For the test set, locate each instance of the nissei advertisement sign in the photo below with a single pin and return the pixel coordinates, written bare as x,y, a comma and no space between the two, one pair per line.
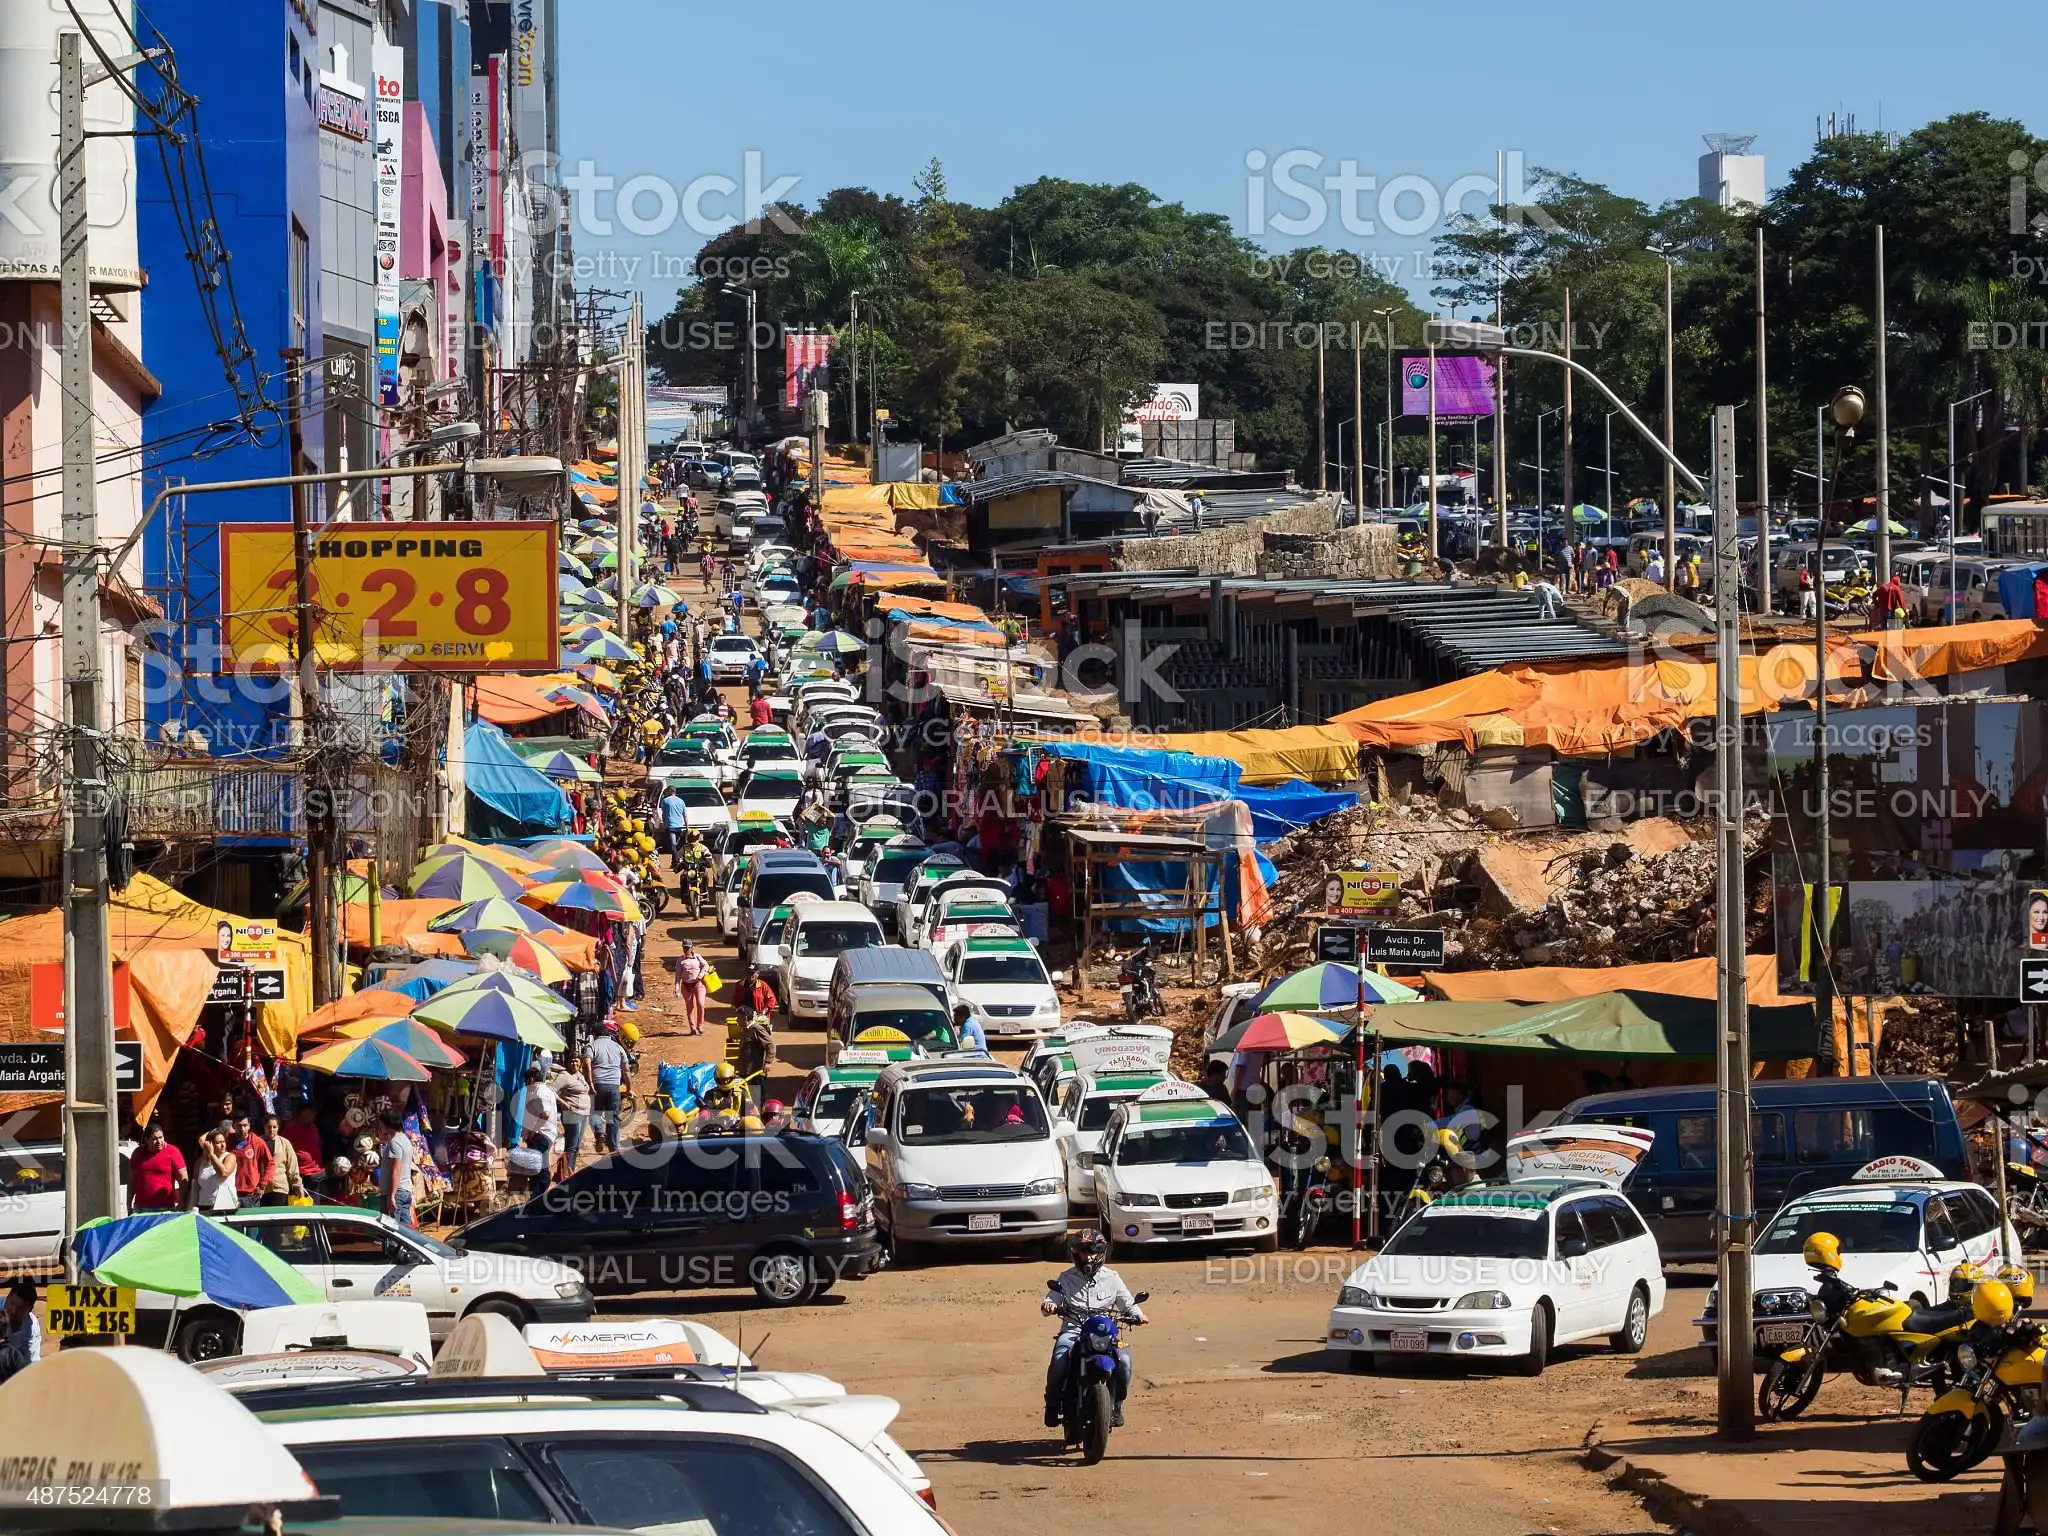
395,597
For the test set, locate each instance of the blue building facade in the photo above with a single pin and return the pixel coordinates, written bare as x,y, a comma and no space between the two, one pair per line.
254,67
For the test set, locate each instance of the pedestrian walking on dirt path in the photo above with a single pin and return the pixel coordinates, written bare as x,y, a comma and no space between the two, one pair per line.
691,971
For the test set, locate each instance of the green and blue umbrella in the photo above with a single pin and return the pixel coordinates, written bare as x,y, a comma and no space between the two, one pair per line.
494,912
567,853
604,648
463,877
564,765
523,950
1319,987
377,1059
573,566
499,1006
654,595
184,1253
406,1034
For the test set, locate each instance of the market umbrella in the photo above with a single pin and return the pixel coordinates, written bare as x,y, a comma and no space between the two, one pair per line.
185,1253
589,703
837,643
528,994
1285,1032
1869,525
404,1034
417,983
378,1002
493,1014
653,595
567,853
493,912
606,562
568,586
463,877
1318,987
1583,513
504,858
603,648
520,949
573,566
564,765
580,895
365,1058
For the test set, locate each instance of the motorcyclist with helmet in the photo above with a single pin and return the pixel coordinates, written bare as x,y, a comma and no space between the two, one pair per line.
693,859
1087,1286
725,1096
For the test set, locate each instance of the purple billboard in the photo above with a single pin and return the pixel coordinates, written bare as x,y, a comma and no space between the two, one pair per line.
1464,385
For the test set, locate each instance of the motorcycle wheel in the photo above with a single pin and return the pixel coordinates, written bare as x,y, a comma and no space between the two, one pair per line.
1095,1422
1302,1223
1946,1445
1788,1390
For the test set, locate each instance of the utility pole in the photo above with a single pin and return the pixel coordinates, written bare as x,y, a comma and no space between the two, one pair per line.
1670,431
1735,1419
1884,451
1434,547
1500,375
1763,446
1357,422
632,443
316,789
853,378
92,1176
1570,499
1322,454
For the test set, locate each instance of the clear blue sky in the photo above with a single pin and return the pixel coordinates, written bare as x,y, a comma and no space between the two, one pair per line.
1176,96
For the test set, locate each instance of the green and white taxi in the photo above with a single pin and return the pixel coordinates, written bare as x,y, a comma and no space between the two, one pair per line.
1175,1166
829,1094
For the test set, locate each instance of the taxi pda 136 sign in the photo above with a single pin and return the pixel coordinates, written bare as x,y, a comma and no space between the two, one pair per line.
395,597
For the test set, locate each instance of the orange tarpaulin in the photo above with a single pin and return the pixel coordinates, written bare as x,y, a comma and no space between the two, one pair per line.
1558,983
947,634
357,1005
166,939
405,922
889,581
930,607
1900,655
517,700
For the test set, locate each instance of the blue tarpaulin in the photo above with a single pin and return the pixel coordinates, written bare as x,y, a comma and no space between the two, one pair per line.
2016,591
517,800
1146,780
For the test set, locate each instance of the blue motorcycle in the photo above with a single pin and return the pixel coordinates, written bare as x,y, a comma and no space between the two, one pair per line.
1088,1398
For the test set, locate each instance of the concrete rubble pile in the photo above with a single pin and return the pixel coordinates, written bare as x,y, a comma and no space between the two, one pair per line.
1510,898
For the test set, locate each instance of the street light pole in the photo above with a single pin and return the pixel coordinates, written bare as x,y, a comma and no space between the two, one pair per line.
1387,465
1433,546
1884,445
1955,522
1763,442
1670,421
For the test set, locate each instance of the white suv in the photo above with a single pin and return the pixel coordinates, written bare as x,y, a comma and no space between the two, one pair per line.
819,933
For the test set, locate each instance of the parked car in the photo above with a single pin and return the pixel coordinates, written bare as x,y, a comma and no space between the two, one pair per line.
1176,1166
1900,1225
882,883
772,790
821,932
1082,1115
959,1153
1001,981
935,879
356,1255
729,656
1807,1134
32,1202
680,756
775,877
884,967
1511,1270
704,804
785,1215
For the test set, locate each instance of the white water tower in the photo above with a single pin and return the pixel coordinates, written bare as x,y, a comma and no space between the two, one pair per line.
1730,176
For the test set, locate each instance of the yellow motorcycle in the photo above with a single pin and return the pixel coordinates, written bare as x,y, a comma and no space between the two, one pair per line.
2000,1364
1877,1337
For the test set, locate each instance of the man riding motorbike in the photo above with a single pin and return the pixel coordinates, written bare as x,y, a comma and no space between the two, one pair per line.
693,863
725,1096
1086,1287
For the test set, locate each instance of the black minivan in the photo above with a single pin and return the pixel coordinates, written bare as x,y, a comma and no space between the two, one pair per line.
788,1215
1808,1133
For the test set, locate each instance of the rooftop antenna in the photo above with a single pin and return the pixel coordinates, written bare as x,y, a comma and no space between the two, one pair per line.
1729,143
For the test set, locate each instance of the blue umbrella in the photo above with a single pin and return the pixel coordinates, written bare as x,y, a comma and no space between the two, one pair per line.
1316,988
184,1253
422,981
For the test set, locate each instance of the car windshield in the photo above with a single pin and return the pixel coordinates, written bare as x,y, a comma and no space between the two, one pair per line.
768,752
698,793
1215,1142
929,1026
1876,1226
771,932
1003,970
836,938
776,887
1095,1112
835,1101
759,788
681,754
894,868
1472,1234
963,1116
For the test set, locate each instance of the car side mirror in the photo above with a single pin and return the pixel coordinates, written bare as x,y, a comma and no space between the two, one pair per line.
1574,1248
1063,1127
1142,1297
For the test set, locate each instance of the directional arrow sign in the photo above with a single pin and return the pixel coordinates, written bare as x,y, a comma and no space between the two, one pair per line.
2034,979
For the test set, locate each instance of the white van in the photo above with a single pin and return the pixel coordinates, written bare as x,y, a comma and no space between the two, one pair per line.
819,933
961,1152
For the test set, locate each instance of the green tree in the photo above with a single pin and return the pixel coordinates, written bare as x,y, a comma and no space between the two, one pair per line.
1068,354
940,328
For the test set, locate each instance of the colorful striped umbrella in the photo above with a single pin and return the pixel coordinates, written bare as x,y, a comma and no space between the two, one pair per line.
573,566
603,648
366,1058
184,1253
470,1008
1319,987
589,703
497,853
520,949
463,877
579,894
404,1034
493,912
567,853
564,765
654,595
1285,1032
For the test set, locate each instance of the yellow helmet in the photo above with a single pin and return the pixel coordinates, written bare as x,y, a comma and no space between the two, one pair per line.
629,1032
2018,1279
674,1116
1991,1303
723,1072
644,843
1964,1278
752,1123
1823,1250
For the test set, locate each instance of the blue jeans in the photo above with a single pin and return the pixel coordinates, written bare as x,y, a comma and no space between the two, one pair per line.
572,1139
1056,1370
604,1110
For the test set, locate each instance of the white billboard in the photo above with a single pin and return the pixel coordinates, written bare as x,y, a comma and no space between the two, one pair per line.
1169,402
29,234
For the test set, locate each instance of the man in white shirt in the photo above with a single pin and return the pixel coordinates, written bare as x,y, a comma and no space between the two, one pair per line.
540,1123
1086,1287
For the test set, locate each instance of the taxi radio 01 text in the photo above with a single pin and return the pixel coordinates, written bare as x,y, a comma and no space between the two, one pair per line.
483,600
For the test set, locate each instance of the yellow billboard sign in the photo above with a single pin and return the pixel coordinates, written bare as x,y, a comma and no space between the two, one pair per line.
1359,892
394,597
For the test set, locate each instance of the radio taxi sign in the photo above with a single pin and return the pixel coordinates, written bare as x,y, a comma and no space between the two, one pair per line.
75,1310
395,597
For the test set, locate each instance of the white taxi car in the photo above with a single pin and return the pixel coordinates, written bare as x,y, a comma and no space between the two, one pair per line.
1106,1068
1001,980
1900,1222
1175,1166
356,1255
1509,1270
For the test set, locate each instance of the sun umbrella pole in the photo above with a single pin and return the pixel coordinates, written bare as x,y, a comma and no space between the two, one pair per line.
171,1327
375,894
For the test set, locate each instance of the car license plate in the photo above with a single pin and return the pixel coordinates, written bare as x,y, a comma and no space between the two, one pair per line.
1780,1333
1409,1343
985,1221
1193,1223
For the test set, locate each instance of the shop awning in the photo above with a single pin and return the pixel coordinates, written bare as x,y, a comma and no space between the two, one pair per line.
499,777
1625,1025
1699,977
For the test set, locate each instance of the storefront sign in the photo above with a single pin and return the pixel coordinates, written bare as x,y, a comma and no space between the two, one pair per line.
387,61
396,597
346,115
46,997
1355,892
